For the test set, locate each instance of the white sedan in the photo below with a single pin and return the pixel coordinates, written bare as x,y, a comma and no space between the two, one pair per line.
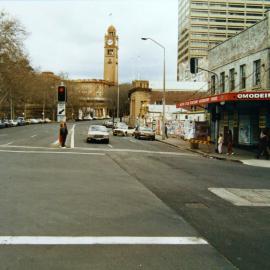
98,133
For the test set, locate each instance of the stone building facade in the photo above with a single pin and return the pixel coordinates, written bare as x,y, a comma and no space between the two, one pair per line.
240,99
91,91
91,97
139,95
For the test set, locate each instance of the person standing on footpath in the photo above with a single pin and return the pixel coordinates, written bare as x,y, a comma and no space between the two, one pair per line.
63,132
220,143
230,143
166,131
263,144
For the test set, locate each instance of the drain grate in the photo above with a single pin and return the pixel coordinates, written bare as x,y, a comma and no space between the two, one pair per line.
195,205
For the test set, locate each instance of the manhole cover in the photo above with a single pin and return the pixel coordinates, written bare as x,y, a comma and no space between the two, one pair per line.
195,205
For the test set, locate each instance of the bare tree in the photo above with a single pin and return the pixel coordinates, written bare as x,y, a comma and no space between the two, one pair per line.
111,95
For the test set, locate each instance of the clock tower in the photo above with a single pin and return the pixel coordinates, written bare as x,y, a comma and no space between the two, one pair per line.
111,56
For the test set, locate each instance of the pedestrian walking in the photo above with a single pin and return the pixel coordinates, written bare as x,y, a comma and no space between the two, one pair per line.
263,144
230,143
166,131
63,132
220,143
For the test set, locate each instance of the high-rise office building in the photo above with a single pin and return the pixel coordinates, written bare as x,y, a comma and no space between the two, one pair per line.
205,23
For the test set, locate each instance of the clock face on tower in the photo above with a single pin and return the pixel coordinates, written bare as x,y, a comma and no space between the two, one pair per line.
110,42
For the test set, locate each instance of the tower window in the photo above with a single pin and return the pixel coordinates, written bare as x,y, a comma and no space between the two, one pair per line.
110,52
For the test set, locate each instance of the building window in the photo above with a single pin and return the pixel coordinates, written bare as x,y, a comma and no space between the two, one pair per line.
213,84
257,72
110,52
232,79
222,82
242,76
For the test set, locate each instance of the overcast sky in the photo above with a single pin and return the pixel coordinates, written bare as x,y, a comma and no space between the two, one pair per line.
68,35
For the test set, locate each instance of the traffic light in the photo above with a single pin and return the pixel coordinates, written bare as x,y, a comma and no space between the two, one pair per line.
193,65
62,94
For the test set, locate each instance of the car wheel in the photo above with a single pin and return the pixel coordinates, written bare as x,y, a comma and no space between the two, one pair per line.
107,141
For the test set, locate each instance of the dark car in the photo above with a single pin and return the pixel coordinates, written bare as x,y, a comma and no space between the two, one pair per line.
2,124
20,121
144,133
6,122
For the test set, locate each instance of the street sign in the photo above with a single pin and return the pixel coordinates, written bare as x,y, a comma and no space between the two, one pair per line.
61,109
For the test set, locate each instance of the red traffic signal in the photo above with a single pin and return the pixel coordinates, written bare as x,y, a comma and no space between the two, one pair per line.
62,94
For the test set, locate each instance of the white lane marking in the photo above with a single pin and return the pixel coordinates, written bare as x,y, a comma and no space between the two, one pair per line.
132,141
99,240
3,134
9,143
33,136
72,145
136,151
257,163
110,145
104,150
244,197
51,152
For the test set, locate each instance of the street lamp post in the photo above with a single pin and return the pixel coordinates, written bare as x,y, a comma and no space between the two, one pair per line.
164,85
118,103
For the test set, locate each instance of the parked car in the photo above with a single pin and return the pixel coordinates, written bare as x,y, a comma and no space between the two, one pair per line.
87,117
7,123
108,124
27,121
13,123
2,124
34,121
41,121
144,133
120,129
20,121
98,133
47,120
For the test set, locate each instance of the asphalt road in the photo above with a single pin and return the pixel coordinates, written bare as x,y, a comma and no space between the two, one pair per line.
128,188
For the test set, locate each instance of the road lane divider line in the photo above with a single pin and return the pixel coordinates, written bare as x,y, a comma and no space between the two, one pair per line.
72,142
117,150
33,136
9,143
110,145
51,152
99,240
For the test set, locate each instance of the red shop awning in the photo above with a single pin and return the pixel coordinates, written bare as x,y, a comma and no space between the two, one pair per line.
238,96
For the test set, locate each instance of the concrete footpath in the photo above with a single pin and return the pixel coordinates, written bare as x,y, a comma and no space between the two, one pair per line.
240,155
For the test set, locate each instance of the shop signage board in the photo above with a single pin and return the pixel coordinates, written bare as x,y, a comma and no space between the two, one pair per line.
236,96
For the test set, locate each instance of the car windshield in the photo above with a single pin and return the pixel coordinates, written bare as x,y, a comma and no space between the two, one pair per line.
122,125
145,129
98,128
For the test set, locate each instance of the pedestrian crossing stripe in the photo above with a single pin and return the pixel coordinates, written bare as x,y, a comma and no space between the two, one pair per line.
100,240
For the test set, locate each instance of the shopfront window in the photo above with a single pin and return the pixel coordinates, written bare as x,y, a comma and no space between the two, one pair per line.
257,73
232,79
242,76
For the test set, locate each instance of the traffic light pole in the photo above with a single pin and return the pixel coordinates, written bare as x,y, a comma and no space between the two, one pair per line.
61,106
